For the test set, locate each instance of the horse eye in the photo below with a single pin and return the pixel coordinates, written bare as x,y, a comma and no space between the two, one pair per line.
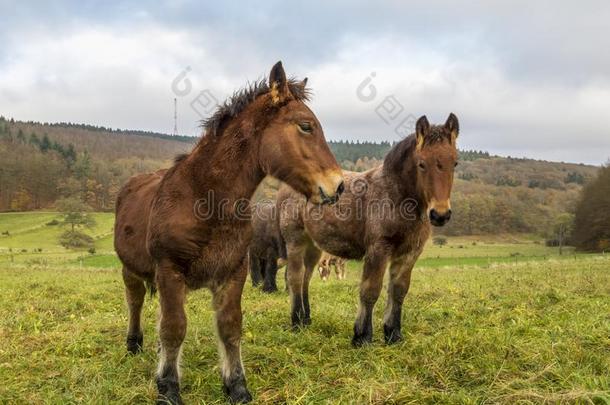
455,164
422,166
305,127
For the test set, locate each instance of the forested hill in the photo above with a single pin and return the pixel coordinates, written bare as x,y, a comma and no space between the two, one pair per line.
40,163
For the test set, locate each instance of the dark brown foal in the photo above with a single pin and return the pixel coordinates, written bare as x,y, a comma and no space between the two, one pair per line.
384,217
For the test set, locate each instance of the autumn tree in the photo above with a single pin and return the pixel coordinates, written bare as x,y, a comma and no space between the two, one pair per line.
76,215
592,219
562,228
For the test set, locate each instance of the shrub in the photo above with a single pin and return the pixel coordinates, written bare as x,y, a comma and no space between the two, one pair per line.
75,239
440,241
552,242
53,222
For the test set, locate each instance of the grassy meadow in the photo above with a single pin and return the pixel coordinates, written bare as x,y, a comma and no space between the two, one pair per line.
505,320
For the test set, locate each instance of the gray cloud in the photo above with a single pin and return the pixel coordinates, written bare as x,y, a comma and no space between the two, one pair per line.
525,79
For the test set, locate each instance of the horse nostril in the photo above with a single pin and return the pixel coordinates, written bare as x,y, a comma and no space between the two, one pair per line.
340,189
438,219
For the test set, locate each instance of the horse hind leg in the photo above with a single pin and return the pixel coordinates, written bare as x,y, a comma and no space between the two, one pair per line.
342,269
270,283
295,274
255,270
311,259
135,291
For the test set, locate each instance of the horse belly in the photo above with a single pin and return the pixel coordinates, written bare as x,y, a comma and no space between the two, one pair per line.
341,248
336,240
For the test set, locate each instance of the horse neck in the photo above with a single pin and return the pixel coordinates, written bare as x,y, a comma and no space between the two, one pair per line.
226,164
402,182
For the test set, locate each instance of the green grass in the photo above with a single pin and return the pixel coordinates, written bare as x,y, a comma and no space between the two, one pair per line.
509,333
494,320
30,232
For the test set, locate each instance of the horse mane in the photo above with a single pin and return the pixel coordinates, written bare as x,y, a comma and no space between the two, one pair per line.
395,159
242,98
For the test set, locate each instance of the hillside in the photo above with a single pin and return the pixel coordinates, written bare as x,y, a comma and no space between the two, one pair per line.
43,162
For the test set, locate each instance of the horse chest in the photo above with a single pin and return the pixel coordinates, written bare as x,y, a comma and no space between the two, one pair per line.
220,256
412,241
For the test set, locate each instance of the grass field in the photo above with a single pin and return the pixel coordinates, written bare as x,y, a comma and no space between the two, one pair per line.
478,328
29,232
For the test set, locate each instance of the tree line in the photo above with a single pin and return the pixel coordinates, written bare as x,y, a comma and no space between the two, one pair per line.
42,165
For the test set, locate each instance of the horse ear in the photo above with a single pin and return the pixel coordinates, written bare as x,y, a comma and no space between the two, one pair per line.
453,126
278,83
422,126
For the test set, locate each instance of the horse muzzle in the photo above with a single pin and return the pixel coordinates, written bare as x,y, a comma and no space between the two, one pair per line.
439,219
329,189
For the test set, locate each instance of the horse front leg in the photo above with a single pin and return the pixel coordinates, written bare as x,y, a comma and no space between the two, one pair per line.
370,288
172,329
398,287
227,304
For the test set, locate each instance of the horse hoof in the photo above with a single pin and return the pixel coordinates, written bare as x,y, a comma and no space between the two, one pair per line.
392,335
361,340
300,324
134,343
169,393
170,400
238,394
269,290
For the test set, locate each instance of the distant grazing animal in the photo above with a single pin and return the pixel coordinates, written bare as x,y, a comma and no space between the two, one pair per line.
188,227
327,261
267,246
383,216
6,233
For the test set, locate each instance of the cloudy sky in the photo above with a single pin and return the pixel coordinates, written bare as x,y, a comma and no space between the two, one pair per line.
525,78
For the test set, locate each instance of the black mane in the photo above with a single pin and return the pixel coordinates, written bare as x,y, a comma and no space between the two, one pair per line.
241,98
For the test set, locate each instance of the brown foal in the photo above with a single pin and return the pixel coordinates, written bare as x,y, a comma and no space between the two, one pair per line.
189,227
